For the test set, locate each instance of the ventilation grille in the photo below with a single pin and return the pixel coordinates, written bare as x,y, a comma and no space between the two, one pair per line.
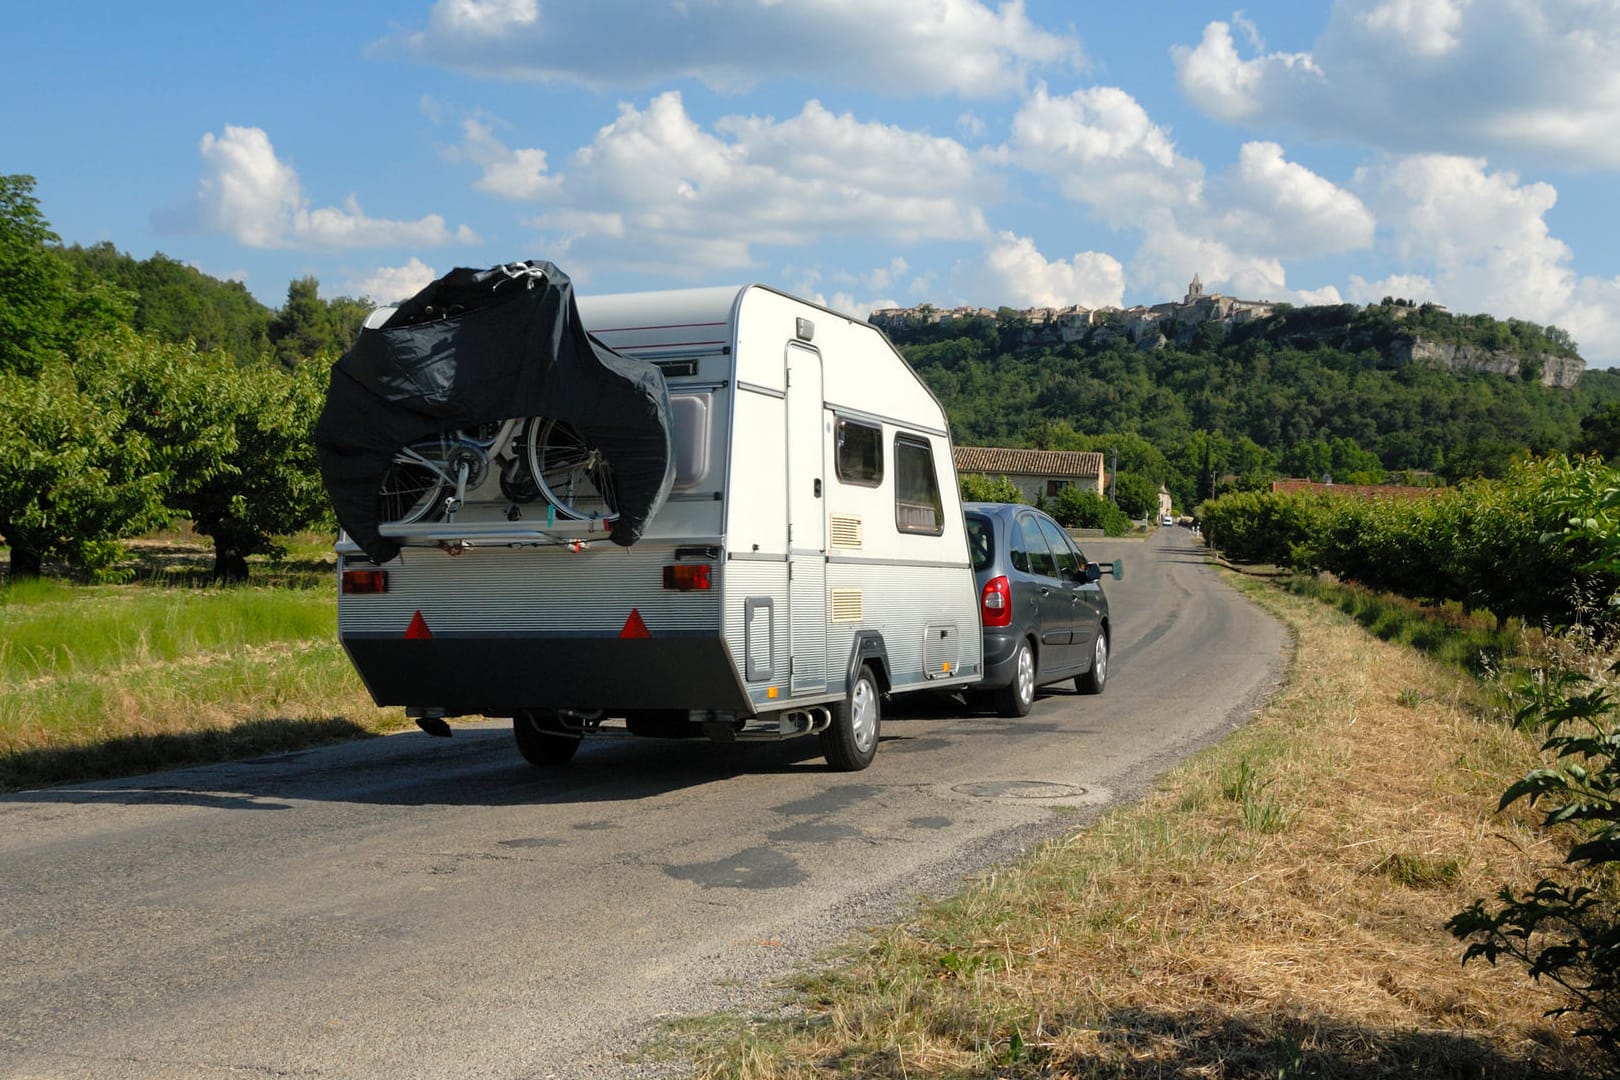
844,531
847,605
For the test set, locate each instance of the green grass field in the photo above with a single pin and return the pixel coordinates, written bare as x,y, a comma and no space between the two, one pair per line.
106,680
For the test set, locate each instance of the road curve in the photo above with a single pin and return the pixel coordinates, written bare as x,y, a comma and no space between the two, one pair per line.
417,907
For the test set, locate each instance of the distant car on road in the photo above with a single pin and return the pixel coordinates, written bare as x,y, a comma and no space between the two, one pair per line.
1168,519
1041,604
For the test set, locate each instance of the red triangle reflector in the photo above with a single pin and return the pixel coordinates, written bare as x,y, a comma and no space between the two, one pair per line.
634,626
418,628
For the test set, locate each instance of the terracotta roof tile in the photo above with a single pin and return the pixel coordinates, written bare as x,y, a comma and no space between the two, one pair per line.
998,461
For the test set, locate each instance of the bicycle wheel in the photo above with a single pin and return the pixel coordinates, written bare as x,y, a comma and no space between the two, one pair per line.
413,486
573,476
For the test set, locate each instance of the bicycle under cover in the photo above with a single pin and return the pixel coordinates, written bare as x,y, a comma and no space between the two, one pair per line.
477,347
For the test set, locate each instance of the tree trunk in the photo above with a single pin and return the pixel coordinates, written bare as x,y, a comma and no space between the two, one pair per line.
229,566
25,563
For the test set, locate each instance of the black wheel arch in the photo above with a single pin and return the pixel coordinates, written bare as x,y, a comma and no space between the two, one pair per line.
868,648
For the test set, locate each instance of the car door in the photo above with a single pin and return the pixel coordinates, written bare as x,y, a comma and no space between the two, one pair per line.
1053,615
1090,606
1070,575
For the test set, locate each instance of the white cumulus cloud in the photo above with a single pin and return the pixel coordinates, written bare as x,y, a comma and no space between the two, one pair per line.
656,190
250,194
1477,240
1014,273
963,47
391,284
1497,77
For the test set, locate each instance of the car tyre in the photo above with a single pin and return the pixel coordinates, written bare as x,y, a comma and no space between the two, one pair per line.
850,743
1093,681
1016,698
542,740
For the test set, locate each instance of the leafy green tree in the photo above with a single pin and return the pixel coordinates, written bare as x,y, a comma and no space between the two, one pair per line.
74,477
1136,495
235,442
35,284
1600,432
1077,509
178,303
976,487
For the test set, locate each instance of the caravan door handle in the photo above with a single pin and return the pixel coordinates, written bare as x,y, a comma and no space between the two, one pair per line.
818,487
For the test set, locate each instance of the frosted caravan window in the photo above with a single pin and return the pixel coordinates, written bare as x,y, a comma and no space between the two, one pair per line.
917,507
689,430
860,453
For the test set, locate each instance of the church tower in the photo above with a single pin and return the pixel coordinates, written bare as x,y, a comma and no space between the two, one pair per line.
1195,291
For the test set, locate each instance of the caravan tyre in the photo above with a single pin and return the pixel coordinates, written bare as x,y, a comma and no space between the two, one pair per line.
541,738
851,742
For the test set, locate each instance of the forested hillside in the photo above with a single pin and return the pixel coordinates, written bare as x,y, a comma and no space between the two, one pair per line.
1255,407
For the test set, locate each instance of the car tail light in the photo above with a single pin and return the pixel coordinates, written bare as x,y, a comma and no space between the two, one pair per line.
686,576
995,602
365,582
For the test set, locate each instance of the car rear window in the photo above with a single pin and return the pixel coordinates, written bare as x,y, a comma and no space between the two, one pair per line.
981,541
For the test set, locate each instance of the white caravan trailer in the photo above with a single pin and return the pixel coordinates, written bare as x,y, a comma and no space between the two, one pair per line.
810,558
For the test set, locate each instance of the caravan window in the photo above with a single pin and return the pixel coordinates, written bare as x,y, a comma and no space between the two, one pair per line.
860,453
917,507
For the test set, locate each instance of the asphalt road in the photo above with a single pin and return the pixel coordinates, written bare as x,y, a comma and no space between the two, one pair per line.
417,907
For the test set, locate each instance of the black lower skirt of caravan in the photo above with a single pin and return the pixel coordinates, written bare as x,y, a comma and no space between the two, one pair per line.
499,676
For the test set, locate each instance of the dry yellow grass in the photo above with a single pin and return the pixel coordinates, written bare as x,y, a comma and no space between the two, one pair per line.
1276,909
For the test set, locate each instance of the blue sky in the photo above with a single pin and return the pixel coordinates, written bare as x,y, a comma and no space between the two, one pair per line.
863,153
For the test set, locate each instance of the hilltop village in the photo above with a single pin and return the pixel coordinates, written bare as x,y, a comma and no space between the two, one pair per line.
1141,324
1177,322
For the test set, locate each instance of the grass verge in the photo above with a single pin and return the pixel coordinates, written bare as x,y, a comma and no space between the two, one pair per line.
113,680
1275,909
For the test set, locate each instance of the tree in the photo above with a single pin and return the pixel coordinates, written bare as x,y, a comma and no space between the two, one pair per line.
235,444
74,478
1600,433
1077,509
1136,495
34,282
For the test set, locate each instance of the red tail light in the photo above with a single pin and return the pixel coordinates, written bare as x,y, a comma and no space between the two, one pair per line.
995,602
365,581
686,576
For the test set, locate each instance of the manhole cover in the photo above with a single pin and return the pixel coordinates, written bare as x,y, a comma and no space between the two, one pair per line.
1020,789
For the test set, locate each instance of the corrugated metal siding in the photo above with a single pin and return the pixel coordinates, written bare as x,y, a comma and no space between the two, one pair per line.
533,590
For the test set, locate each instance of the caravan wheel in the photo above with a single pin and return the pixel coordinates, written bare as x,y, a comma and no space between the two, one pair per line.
851,742
542,740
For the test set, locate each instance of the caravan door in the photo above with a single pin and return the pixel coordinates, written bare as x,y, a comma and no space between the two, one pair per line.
807,524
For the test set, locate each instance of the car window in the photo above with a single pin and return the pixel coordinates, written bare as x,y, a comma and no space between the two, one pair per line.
1062,550
981,541
1040,556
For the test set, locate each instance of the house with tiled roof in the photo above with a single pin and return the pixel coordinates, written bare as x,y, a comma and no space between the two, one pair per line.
1038,473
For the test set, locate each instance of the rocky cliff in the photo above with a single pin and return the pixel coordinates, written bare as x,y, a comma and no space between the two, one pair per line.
1552,370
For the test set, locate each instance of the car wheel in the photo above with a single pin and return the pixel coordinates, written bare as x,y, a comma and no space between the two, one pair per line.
1016,697
542,740
1093,681
850,743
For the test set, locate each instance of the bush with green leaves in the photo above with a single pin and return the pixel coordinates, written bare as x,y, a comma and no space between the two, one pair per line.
1565,928
977,487
1077,509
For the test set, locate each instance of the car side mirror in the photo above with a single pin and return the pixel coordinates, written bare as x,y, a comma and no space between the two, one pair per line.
1094,571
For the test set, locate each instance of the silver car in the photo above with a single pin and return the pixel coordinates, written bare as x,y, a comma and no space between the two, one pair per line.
1041,604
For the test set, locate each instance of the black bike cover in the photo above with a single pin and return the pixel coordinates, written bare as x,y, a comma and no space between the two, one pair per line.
477,347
